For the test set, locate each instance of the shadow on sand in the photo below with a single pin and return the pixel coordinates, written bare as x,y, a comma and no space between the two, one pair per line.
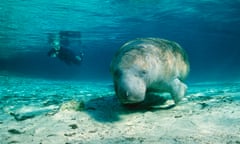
109,109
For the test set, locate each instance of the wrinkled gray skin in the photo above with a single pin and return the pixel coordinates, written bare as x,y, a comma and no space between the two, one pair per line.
149,65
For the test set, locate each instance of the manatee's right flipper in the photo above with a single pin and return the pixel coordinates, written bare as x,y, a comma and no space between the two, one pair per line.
178,90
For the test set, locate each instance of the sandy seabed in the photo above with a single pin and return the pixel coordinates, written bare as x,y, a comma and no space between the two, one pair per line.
66,112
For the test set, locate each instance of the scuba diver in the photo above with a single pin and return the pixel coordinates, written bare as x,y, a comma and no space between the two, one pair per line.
58,49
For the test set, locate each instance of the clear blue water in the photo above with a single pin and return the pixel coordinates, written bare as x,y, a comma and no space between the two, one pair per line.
33,84
209,30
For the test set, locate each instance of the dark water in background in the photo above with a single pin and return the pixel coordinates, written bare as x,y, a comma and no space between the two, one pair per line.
209,30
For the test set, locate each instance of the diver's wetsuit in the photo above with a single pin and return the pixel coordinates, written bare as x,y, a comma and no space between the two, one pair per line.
66,55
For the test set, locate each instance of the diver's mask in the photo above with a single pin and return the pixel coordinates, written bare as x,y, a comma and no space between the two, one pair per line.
55,45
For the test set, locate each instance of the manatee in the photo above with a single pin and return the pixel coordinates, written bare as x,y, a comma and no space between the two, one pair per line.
146,65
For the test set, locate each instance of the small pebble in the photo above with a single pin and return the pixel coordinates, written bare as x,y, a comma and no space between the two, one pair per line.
178,116
93,131
14,131
73,126
51,135
203,105
70,134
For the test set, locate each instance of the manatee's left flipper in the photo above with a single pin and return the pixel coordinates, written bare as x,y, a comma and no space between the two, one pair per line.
178,90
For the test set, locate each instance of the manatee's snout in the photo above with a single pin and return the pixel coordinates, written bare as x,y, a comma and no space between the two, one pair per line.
131,89
127,97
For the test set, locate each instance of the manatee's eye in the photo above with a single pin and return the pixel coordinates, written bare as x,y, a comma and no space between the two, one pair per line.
117,73
142,73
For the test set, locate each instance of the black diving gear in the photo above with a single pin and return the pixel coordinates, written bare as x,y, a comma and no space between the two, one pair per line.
60,41
66,55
